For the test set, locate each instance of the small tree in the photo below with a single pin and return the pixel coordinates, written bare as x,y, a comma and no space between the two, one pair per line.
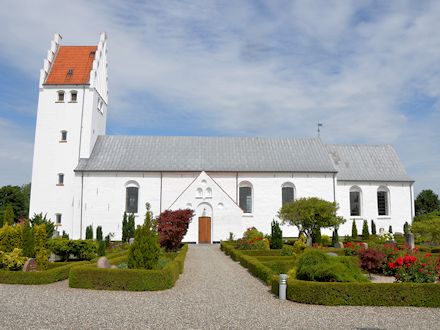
8,217
276,237
107,241
335,237
316,236
65,235
390,229
354,231
39,219
373,227
41,252
426,202
365,232
124,227
130,226
172,227
406,228
145,250
89,232
372,260
28,240
99,233
308,214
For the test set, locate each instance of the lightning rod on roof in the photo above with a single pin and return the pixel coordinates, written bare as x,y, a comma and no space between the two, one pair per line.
319,128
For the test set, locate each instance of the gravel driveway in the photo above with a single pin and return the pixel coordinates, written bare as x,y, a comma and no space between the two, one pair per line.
213,293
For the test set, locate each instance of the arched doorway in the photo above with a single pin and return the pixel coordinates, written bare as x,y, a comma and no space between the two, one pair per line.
204,218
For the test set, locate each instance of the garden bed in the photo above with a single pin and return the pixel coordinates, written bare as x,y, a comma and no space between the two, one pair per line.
57,271
91,277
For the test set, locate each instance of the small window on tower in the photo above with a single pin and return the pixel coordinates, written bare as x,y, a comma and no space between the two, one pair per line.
58,218
63,136
73,96
60,96
60,179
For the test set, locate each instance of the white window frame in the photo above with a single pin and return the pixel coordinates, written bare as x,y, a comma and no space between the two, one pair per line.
246,184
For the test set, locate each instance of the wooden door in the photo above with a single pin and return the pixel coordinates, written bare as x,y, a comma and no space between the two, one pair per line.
205,230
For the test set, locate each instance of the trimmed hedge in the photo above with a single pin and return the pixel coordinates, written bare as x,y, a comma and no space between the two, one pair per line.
90,277
361,294
56,272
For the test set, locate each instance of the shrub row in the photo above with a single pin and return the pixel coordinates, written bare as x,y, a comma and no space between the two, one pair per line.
90,277
361,294
56,272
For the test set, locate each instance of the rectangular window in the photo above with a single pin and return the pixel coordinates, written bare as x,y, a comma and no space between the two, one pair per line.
63,136
58,218
60,96
60,179
131,202
382,203
73,97
287,195
246,199
355,203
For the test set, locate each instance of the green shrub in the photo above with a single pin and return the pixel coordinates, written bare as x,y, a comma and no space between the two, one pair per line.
145,250
326,240
361,294
41,252
99,233
8,216
300,244
39,219
12,260
316,235
101,248
287,250
10,238
335,237
354,231
28,242
89,232
373,227
80,249
124,227
60,247
315,265
65,235
276,237
365,232
252,240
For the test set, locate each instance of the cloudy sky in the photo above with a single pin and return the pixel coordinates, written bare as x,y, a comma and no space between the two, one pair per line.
368,70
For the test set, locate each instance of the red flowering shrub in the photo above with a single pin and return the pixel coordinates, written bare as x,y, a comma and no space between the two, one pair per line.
252,240
409,268
372,260
172,227
353,249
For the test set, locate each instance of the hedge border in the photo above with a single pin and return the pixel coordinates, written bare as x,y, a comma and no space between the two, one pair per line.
90,277
361,294
53,274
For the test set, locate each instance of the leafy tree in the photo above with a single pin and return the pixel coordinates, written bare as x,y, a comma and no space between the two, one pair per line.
308,214
89,232
13,195
354,231
124,227
427,231
99,233
145,250
172,227
28,240
26,192
39,219
276,237
373,227
8,217
365,232
426,202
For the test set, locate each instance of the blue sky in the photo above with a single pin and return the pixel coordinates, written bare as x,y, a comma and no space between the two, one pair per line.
369,70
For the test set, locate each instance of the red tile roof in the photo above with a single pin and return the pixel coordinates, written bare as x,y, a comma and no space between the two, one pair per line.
72,65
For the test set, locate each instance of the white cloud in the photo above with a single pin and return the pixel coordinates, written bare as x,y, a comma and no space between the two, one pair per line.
243,69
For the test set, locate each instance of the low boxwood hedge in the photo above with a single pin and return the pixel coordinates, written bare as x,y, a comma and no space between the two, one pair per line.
56,271
361,294
90,277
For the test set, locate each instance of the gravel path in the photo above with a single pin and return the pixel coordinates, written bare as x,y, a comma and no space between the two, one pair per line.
213,293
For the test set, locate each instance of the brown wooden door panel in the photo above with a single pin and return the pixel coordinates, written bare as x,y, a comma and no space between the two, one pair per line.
205,230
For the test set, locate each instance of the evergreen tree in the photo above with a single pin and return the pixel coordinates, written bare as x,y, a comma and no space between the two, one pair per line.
145,250
354,231
124,228
390,229
41,252
406,227
426,202
8,217
39,219
99,233
107,241
130,227
65,235
373,227
335,237
28,243
89,232
365,232
317,236
276,237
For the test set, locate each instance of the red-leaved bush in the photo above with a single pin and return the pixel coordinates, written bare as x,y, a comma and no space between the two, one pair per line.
372,260
172,227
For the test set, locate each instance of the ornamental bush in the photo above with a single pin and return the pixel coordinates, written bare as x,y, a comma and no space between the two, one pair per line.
99,233
89,232
28,242
326,240
373,227
287,250
276,237
252,240
8,216
13,260
354,231
372,260
172,226
300,244
40,219
41,253
10,238
365,232
81,249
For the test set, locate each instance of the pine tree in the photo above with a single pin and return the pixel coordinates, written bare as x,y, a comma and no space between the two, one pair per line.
365,233
354,231
28,243
335,237
107,241
145,250
276,237
65,235
130,227
89,232
373,227
99,233
8,217
317,236
390,229
406,227
124,228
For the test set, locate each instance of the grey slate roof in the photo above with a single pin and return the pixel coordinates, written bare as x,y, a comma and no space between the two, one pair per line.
367,163
177,153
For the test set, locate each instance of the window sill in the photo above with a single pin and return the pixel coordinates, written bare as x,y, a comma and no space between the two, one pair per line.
73,101
63,141
383,217
247,215
59,102
60,184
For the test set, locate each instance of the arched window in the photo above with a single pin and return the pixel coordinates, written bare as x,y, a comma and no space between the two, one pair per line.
60,96
383,201
199,193
287,193
73,96
355,201
63,136
60,179
245,196
131,197
208,193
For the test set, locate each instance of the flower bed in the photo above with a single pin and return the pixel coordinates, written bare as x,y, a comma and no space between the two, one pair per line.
91,277
57,271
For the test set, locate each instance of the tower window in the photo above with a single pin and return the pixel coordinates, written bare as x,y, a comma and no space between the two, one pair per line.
63,136
60,179
131,199
58,218
60,96
73,96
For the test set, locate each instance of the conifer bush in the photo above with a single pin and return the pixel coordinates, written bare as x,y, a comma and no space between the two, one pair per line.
276,237
10,238
354,231
89,232
40,219
41,252
28,243
335,237
124,227
99,233
145,250
390,229
8,216
373,227
365,232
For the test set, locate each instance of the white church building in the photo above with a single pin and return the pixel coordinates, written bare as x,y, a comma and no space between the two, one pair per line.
82,176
